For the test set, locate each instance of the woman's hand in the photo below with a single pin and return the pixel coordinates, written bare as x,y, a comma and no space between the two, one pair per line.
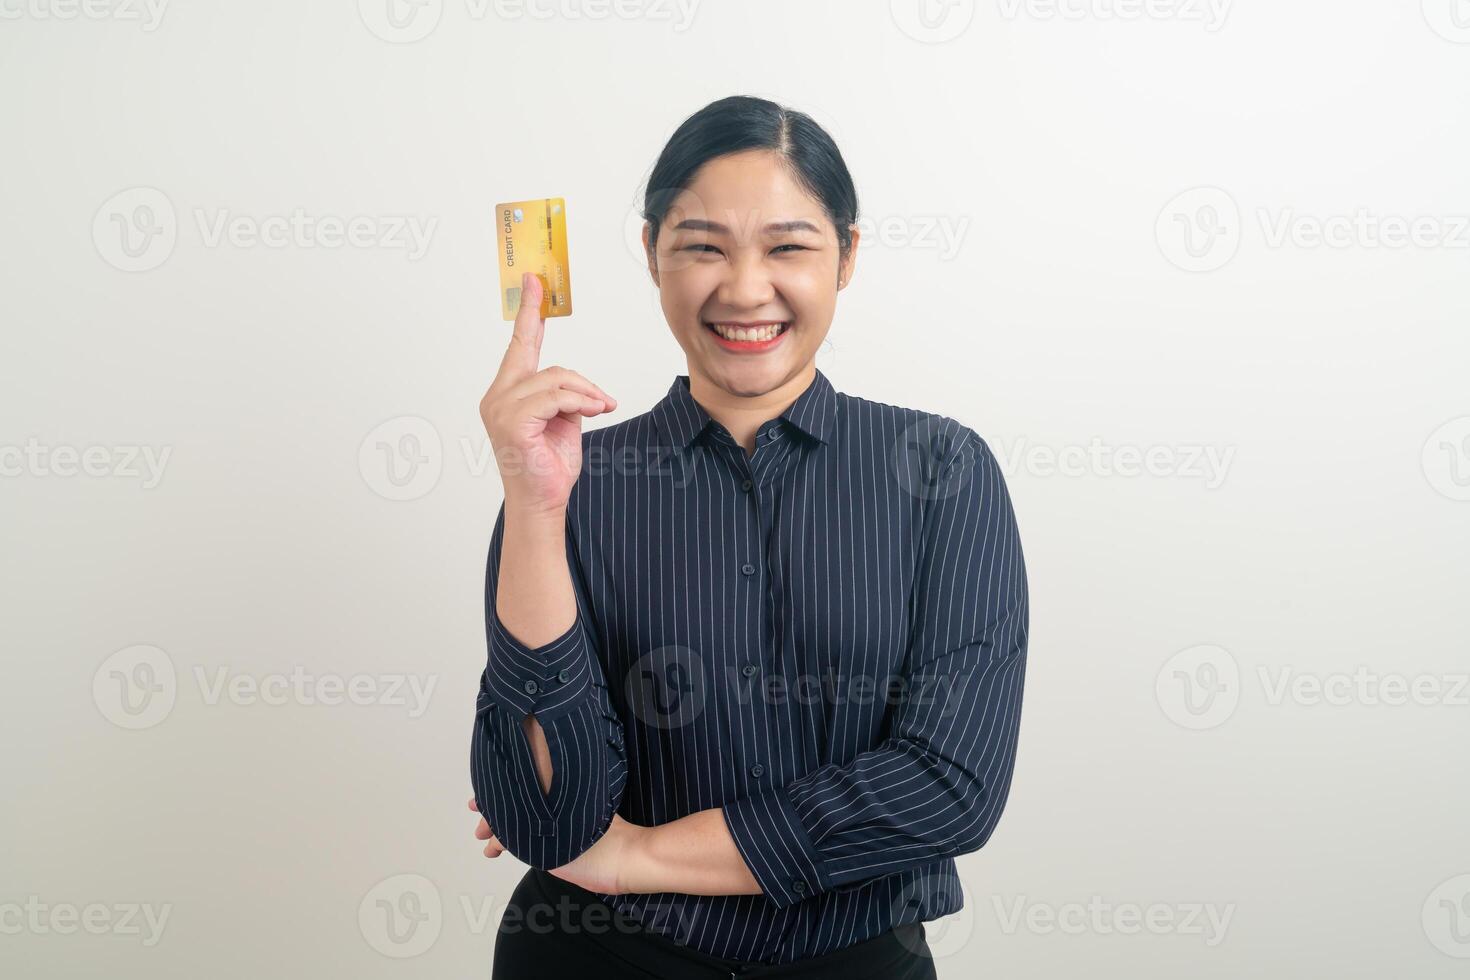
612,866
483,832
534,416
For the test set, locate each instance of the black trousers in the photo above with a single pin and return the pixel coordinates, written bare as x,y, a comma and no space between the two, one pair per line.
554,930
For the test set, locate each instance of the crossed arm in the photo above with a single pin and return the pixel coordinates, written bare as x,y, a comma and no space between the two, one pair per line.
694,855
934,788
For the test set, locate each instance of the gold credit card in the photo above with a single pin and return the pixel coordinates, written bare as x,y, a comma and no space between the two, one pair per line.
533,238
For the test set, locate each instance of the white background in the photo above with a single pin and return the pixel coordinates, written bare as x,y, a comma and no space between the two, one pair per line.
1097,238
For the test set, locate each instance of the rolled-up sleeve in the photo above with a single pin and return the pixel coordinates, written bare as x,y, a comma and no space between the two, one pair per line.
562,684
936,785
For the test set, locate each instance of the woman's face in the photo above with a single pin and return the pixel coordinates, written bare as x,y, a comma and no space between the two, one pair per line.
745,244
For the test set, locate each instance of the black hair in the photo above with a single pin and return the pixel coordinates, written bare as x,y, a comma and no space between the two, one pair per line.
743,122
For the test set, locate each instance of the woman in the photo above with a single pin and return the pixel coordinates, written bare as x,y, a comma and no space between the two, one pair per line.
756,655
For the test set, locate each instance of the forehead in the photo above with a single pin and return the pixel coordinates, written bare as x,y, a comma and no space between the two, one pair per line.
744,190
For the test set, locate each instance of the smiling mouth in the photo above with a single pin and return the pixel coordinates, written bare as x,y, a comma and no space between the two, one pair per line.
752,335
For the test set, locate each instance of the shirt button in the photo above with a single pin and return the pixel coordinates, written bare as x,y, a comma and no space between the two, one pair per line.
799,886
563,675
749,670
531,687
746,486
748,568
757,770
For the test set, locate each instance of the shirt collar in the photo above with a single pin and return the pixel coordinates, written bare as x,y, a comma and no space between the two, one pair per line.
682,419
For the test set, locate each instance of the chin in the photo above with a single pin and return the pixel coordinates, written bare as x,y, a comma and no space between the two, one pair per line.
751,380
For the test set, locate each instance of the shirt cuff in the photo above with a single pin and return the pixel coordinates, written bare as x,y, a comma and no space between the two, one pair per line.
547,681
776,847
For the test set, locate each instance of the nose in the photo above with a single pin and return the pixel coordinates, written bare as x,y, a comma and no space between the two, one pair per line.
746,286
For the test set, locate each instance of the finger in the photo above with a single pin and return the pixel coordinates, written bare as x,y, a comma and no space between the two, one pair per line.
483,832
473,805
523,353
493,849
560,377
549,404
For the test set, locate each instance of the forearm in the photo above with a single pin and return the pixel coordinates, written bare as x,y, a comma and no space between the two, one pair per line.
694,855
534,598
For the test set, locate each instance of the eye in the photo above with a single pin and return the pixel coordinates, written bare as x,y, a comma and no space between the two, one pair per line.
698,248
801,248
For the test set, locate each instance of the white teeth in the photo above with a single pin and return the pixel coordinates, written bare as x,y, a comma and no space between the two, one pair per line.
748,334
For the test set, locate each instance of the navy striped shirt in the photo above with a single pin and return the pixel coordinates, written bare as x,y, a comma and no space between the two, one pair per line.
825,638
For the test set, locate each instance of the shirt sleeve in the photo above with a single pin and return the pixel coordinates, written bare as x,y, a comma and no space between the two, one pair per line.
562,684
935,786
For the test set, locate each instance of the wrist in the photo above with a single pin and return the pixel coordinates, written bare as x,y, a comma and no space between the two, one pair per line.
642,871
534,514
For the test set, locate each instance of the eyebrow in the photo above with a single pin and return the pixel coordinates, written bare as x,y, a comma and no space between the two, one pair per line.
774,228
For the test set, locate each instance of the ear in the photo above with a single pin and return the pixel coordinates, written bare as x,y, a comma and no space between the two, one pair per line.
848,263
648,252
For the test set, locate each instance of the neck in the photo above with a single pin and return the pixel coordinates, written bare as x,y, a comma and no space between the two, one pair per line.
742,415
